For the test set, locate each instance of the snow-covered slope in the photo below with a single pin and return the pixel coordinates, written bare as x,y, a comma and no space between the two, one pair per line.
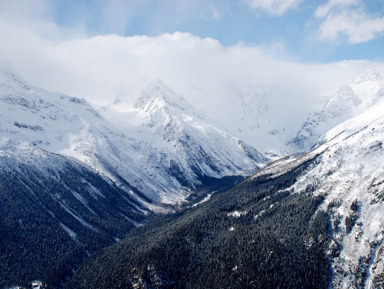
314,220
350,100
163,149
355,195
54,212
191,140
32,119
187,148
349,173
80,182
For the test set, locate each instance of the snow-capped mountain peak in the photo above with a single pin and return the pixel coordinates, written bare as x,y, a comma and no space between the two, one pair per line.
9,78
195,142
347,171
158,95
373,74
163,156
350,100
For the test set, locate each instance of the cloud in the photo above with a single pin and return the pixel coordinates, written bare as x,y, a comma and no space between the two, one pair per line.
273,7
110,68
323,10
23,10
216,79
346,20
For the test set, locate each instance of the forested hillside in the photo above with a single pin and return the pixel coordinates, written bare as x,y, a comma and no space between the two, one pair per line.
52,220
256,235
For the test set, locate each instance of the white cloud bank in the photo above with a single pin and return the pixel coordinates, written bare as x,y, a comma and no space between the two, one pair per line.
242,87
342,19
239,86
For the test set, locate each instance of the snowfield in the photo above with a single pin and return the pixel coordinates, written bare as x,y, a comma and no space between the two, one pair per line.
349,173
162,147
350,100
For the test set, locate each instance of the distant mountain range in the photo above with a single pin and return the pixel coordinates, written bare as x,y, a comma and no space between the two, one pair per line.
350,100
313,220
158,195
88,182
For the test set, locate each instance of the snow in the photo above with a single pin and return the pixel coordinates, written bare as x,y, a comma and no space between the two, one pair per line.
69,231
349,169
138,144
79,219
36,284
350,100
207,198
237,214
261,213
157,144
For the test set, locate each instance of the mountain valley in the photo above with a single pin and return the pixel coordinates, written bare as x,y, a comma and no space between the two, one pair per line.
72,178
313,220
158,195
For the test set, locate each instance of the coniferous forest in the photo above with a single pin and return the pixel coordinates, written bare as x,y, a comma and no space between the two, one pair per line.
255,235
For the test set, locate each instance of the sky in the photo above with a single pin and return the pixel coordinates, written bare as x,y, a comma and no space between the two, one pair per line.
231,59
303,30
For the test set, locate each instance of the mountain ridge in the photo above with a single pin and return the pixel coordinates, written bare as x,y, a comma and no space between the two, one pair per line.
71,176
82,133
349,101
321,210
71,179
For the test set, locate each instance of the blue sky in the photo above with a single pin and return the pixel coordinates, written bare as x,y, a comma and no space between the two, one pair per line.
215,53
56,43
296,29
310,31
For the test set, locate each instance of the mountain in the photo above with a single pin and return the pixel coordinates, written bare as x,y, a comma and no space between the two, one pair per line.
313,220
187,150
56,206
54,213
352,183
72,182
168,149
34,119
194,142
350,100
